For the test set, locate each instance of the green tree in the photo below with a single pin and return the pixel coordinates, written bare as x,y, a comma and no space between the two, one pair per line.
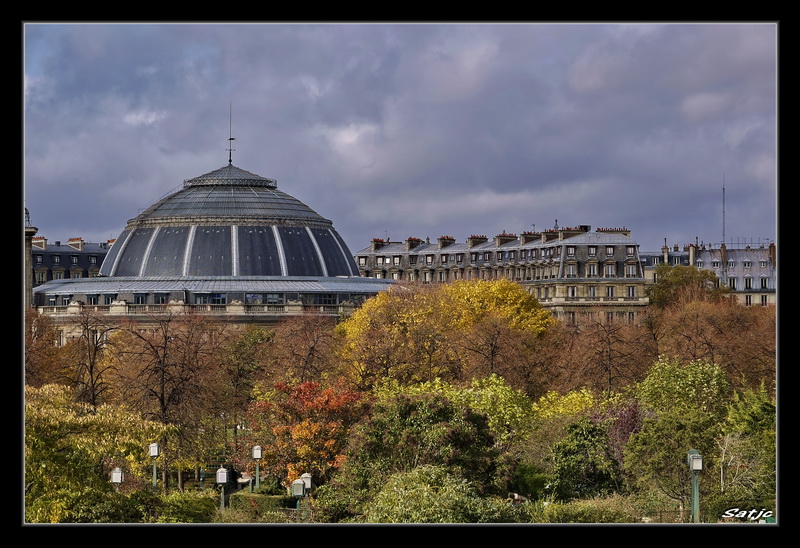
402,434
583,466
70,449
434,494
679,283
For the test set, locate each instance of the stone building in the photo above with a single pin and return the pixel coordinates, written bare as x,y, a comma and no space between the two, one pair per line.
576,273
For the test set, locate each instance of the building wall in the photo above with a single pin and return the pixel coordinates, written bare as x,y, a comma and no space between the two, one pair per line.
576,273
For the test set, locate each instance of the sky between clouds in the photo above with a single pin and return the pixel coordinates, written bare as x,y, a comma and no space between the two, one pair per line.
398,130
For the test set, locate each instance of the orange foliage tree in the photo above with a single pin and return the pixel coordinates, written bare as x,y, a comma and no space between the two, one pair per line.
302,428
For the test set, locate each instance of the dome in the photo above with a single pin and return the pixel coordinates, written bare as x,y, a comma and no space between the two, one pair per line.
229,222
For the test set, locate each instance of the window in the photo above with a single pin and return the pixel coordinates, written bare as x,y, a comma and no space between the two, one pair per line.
56,259
592,291
656,260
748,300
592,251
512,255
764,283
379,260
732,283
428,259
65,301
362,261
396,260
764,300
459,258
201,299
41,276
108,299
630,270
58,274
570,251
412,260
74,259
610,270
274,298
571,271
748,283
631,291
609,317
731,264
591,270
140,298
160,298
715,264
747,264
445,257
572,291
763,264
610,291
630,250
38,259
92,300
473,257
676,261
92,259
523,254
487,256
610,250
76,274
699,264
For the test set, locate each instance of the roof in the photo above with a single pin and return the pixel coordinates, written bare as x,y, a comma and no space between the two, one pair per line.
226,284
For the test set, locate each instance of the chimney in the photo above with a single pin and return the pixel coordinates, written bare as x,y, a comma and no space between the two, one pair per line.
444,241
474,240
377,243
504,238
412,242
528,237
40,242
76,243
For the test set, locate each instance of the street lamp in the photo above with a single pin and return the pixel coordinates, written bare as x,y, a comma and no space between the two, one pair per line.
695,461
257,455
222,479
117,477
154,452
300,489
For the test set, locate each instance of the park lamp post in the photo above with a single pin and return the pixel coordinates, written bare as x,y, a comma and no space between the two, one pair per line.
695,460
154,452
117,477
222,479
300,489
257,455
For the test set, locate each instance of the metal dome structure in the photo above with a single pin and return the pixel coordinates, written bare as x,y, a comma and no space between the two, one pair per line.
229,222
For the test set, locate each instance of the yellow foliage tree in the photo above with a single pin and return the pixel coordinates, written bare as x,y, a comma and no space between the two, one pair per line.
416,333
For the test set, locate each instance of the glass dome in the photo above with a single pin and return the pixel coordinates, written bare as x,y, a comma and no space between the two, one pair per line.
229,222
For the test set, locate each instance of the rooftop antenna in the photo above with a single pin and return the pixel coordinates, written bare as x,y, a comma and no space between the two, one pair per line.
230,134
723,208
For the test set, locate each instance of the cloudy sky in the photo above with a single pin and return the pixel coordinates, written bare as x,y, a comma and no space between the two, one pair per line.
398,130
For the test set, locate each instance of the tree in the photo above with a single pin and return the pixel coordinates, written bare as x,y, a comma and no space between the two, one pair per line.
43,355
679,283
434,494
162,373
71,447
416,333
406,432
674,387
303,428
304,348
583,466
89,370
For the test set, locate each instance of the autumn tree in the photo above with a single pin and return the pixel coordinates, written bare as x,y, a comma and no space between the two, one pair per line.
163,369
302,427
43,357
415,333
303,349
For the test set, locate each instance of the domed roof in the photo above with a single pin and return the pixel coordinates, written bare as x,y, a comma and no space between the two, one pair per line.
229,222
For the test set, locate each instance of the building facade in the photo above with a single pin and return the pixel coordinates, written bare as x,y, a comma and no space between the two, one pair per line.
749,270
576,273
